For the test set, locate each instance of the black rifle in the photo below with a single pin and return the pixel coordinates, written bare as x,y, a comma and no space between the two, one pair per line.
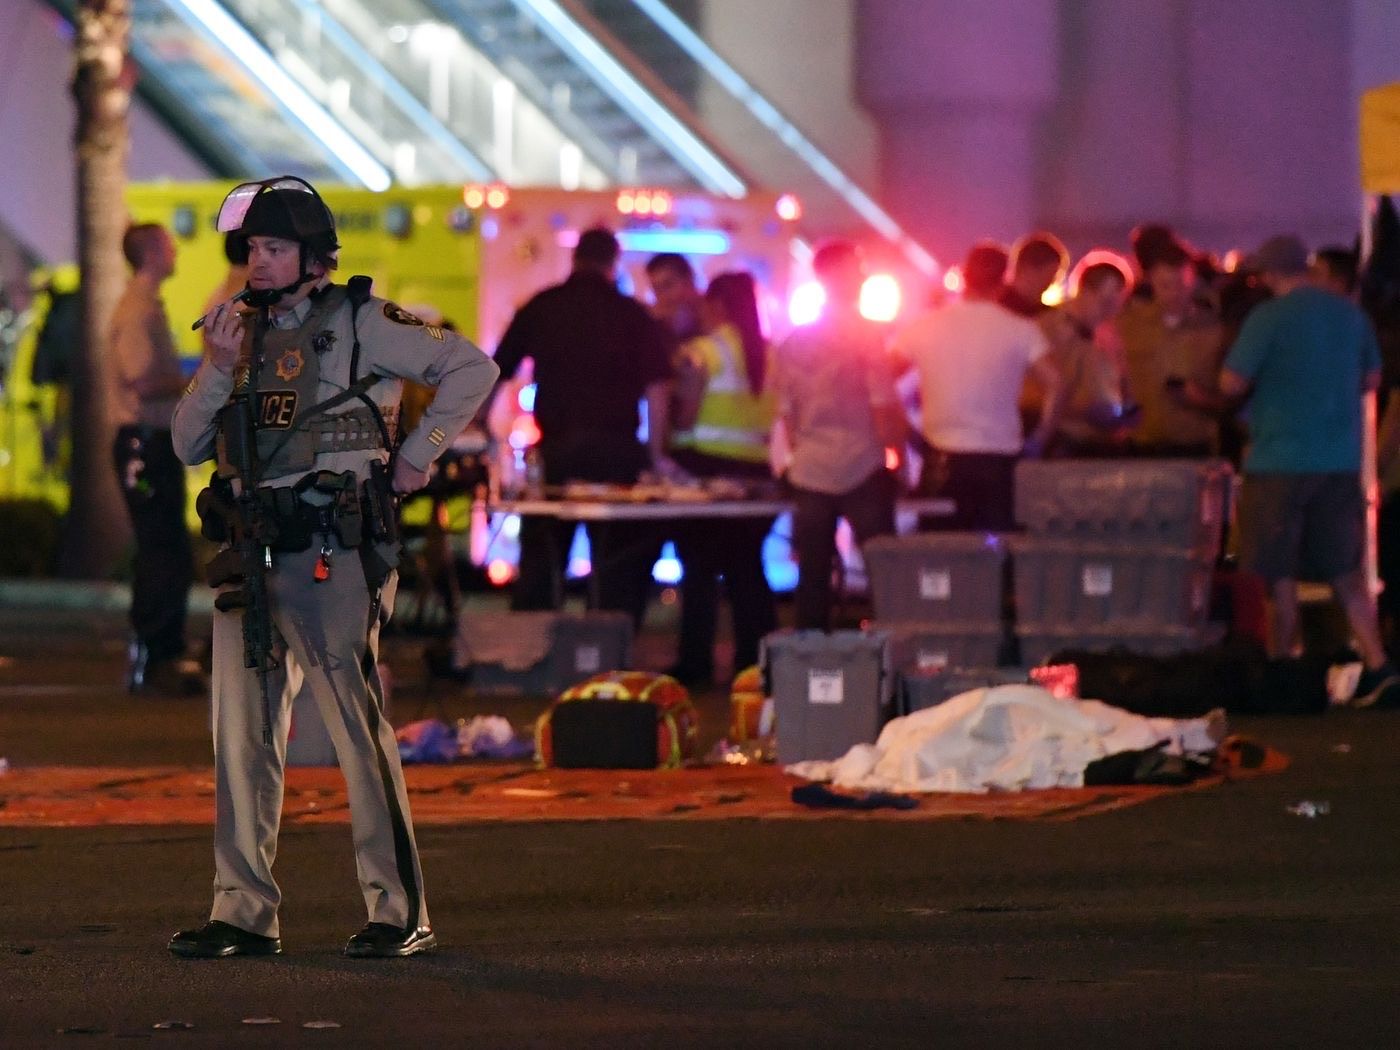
254,529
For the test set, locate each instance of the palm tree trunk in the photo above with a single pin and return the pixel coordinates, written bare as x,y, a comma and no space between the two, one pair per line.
96,531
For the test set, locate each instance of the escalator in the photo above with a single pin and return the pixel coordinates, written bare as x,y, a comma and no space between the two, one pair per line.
570,93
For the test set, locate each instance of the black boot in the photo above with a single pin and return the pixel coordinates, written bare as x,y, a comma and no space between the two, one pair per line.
379,940
217,939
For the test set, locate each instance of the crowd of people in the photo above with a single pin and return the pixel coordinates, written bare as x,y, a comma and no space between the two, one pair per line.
1134,358
1161,355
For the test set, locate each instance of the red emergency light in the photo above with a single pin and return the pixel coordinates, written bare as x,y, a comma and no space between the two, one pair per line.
881,299
806,303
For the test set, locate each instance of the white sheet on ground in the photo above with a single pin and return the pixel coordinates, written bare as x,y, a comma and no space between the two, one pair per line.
1007,738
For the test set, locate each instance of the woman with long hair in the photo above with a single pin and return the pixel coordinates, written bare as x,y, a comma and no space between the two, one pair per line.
723,420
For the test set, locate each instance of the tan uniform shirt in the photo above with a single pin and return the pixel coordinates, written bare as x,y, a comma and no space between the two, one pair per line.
143,359
393,344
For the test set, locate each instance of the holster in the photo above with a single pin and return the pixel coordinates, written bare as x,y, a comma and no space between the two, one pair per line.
381,512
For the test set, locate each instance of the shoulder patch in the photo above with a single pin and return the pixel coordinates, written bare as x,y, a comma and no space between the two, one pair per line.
397,314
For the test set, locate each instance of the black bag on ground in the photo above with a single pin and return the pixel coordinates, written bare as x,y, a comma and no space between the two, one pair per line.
604,734
1150,766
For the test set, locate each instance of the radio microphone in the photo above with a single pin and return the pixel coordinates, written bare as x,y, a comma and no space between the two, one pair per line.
245,296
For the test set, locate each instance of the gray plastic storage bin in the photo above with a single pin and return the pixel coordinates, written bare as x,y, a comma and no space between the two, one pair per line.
936,646
1038,642
575,647
1082,583
918,690
936,577
830,691
1177,503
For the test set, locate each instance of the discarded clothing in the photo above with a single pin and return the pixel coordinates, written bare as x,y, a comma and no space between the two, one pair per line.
819,796
485,736
428,740
491,736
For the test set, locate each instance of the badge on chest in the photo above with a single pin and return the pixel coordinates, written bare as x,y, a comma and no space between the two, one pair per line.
290,364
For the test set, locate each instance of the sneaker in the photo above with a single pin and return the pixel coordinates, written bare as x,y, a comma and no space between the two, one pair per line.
1378,688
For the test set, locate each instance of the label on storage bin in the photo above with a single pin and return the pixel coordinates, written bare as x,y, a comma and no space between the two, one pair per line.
826,687
1097,580
929,660
935,585
588,659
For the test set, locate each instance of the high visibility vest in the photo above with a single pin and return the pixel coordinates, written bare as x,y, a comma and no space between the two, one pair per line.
733,421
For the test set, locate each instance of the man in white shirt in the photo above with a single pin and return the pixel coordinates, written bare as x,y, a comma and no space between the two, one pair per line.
972,358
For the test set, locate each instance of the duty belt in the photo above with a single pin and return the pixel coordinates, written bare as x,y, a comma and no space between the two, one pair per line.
320,503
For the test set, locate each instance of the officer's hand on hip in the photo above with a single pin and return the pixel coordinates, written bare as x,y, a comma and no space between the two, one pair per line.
223,336
407,477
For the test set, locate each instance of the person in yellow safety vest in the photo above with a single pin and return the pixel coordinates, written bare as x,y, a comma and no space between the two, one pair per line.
721,431
722,413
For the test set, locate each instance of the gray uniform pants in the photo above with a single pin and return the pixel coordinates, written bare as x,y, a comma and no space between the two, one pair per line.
328,645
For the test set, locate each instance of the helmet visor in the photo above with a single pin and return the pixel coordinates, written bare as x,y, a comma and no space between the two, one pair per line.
235,206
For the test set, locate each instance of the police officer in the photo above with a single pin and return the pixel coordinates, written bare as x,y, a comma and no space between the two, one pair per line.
305,353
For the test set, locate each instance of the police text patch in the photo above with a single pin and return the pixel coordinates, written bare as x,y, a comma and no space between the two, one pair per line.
276,409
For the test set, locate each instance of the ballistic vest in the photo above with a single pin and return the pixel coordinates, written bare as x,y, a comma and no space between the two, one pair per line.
290,433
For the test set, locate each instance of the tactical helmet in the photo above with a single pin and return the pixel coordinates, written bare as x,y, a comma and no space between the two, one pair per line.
285,207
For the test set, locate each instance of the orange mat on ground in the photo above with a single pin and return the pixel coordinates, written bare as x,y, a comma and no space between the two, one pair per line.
61,796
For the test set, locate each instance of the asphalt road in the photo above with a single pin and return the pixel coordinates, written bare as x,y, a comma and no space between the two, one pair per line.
1210,918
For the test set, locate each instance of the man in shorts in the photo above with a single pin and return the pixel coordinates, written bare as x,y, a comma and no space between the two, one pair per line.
1304,359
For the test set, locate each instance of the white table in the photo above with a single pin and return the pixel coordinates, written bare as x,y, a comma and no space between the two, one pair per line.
585,510
603,511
